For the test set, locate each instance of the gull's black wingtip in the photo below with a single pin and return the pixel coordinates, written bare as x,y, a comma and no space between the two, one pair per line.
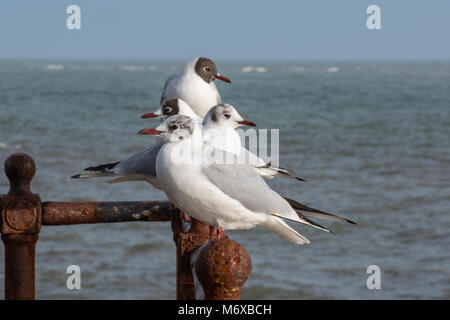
350,221
300,179
75,176
102,167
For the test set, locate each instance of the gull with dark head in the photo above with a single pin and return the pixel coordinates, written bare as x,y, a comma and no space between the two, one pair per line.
172,107
195,85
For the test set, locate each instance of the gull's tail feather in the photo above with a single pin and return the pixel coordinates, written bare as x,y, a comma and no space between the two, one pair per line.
86,175
303,210
287,174
300,218
97,171
280,227
269,172
130,177
103,167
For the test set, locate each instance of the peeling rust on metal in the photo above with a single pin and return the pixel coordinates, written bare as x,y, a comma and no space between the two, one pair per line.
187,243
65,213
20,220
222,267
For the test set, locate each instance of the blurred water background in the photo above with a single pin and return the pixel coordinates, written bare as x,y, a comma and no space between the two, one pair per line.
371,139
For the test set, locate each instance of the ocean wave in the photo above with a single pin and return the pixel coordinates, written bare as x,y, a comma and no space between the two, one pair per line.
253,69
4,145
136,68
54,67
333,69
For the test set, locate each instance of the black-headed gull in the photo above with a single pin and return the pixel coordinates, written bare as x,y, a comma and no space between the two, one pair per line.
225,196
195,85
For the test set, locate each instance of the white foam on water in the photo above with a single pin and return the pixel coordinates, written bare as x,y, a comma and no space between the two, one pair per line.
253,69
136,68
131,68
333,69
4,145
54,67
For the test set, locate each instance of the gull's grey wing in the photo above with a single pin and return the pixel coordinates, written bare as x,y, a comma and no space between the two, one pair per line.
141,163
243,183
265,169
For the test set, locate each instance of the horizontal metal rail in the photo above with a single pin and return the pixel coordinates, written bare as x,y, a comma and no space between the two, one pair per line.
66,213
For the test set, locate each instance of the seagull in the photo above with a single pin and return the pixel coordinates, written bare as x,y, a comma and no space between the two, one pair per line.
219,127
224,196
195,85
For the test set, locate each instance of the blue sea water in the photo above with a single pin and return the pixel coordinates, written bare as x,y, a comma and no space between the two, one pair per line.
370,138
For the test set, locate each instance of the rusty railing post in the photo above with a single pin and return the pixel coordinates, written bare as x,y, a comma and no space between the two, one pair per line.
186,243
222,267
20,224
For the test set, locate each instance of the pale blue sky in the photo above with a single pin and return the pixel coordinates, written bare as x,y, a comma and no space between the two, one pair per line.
226,29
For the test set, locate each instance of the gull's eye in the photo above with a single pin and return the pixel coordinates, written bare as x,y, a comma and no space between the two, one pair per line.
207,69
167,110
227,115
173,127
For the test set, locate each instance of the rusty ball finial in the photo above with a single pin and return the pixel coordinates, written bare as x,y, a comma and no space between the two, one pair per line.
20,169
222,267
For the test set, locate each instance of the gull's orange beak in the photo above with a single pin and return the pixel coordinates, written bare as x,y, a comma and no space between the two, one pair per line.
222,78
150,131
246,123
149,115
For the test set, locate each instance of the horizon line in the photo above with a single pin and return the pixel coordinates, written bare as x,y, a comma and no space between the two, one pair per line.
229,59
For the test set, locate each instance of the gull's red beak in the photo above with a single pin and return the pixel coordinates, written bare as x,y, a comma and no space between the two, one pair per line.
149,115
247,123
150,131
219,77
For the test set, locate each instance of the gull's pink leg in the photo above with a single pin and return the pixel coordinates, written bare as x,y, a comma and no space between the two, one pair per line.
219,232
186,217
212,230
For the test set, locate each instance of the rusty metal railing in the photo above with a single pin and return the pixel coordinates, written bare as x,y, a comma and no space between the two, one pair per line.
221,266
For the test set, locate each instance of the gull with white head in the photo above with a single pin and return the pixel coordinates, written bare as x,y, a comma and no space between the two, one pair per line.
226,196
